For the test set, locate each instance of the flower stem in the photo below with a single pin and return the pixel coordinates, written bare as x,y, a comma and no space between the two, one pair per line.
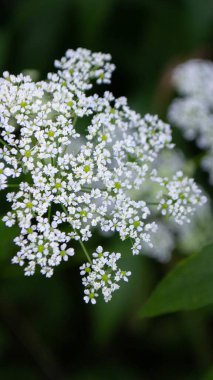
49,213
89,189
80,241
4,143
85,251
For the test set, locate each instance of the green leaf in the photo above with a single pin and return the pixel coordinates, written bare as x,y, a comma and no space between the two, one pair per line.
189,286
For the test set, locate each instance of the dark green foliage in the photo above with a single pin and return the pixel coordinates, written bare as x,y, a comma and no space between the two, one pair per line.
189,286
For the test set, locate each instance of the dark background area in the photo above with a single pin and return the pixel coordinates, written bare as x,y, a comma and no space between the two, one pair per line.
46,330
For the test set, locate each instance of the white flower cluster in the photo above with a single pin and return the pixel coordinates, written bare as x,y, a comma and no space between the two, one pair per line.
180,198
102,274
193,112
188,237
78,156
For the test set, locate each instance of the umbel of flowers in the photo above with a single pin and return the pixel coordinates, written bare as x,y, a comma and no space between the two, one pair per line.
193,110
71,158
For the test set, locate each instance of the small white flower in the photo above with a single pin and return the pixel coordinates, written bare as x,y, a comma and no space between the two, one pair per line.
47,271
65,253
90,296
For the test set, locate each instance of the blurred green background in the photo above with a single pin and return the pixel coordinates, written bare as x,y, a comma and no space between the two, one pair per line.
46,331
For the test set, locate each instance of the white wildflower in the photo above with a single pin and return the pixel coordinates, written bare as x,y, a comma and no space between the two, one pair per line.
80,157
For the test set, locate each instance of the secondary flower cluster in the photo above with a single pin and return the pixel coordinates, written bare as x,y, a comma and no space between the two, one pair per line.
192,112
78,158
103,274
188,237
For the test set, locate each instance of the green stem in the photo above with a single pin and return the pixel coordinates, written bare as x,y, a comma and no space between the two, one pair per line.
80,241
75,121
65,210
49,213
88,189
4,143
85,251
